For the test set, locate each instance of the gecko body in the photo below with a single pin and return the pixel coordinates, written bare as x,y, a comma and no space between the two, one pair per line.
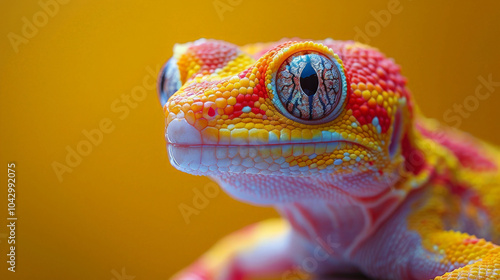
328,133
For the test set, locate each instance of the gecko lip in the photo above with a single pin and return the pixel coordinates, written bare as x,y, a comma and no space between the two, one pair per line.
180,133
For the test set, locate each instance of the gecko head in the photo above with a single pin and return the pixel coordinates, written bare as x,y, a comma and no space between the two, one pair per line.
302,109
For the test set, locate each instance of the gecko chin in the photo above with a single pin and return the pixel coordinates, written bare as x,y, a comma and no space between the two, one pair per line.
318,167
330,164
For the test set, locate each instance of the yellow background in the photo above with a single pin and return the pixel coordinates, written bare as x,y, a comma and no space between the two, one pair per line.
119,207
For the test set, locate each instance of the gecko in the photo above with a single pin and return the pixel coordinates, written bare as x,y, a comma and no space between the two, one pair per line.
328,133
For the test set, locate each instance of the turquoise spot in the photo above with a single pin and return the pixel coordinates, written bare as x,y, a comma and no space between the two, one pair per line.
246,109
376,123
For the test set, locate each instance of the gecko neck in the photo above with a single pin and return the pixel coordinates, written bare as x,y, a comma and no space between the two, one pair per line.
340,227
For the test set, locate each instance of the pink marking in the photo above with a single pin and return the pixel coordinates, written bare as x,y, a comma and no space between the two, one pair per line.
464,147
471,240
446,179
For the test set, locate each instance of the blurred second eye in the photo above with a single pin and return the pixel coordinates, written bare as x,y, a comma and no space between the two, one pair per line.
169,81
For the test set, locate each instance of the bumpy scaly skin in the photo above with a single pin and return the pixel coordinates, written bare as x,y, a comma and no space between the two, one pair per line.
363,182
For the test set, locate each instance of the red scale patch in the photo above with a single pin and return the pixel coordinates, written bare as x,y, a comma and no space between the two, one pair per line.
210,56
371,68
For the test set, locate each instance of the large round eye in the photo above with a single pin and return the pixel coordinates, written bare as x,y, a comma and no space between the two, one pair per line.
310,86
169,81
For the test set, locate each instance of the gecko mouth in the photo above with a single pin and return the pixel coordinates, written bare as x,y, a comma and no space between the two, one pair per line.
301,159
258,151
264,145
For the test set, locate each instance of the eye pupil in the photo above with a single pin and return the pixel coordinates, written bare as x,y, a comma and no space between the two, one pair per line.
309,80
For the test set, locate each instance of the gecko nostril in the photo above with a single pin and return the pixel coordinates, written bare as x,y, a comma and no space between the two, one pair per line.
211,112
